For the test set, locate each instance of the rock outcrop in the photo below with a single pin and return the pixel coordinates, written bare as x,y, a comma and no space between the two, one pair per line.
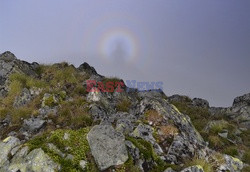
49,121
107,146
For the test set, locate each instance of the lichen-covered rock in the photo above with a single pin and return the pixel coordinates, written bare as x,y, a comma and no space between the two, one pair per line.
33,124
35,161
231,164
5,147
195,168
107,146
24,98
188,142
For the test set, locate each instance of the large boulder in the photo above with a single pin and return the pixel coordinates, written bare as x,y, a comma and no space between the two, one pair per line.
107,146
35,161
5,147
231,164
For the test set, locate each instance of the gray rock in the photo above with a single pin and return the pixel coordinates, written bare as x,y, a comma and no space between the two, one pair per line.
179,98
242,100
33,124
7,56
66,136
83,164
94,96
69,157
231,164
24,98
85,67
144,131
200,103
133,150
107,146
169,170
35,161
223,134
55,149
5,148
195,168
187,142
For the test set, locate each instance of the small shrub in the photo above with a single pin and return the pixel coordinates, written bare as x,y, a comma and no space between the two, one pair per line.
3,112
215,142
231,150
21,113
123,105
217,128
148,153
245,135
74,114
246,157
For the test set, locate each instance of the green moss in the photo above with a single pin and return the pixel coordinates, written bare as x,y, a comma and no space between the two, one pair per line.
50,101
147,151
145,147
128,166
77,145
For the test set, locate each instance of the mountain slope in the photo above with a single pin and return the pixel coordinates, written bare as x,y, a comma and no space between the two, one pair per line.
51,121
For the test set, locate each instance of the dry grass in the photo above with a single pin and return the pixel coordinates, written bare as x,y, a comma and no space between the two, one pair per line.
152,116
123,105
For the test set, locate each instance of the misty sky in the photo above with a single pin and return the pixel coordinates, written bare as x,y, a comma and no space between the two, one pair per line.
197,48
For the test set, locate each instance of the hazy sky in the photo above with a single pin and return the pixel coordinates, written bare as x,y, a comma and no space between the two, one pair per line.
197,48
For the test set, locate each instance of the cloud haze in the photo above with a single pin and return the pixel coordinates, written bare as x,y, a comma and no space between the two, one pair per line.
197,48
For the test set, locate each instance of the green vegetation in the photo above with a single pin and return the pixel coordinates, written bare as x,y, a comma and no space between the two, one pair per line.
231,150
128,166
76,145
207,167
147,151
199,116
246,157
73,114
246,169
123,105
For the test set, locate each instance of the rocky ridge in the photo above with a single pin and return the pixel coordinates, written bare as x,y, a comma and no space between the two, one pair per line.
49,122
